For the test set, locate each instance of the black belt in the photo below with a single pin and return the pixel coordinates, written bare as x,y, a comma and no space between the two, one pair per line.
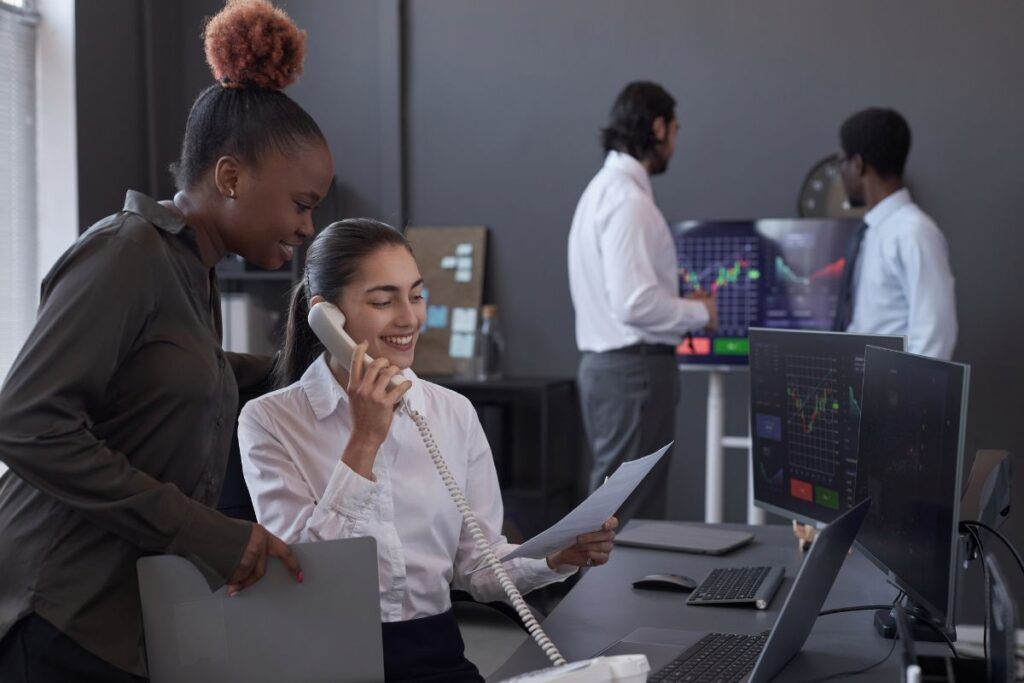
646,350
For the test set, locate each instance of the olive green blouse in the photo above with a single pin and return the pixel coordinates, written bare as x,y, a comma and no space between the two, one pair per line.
116,421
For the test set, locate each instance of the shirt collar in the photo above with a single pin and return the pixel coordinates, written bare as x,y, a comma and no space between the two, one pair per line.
154,212
325,394
887,207
624,163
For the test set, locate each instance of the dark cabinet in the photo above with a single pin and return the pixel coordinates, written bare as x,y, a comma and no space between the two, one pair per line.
535,432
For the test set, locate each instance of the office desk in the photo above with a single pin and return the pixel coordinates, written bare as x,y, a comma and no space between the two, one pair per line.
603,607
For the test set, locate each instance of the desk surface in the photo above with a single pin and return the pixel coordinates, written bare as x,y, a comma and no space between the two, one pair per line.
603,607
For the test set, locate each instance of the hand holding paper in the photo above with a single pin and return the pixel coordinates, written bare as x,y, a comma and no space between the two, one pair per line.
591,513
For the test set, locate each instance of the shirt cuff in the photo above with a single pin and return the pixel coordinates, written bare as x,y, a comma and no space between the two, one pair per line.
350,494
545,574
212,542
697,314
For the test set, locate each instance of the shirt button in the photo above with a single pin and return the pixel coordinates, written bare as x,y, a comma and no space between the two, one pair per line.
220,421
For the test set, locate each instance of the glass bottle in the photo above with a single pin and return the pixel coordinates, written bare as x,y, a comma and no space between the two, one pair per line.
490,345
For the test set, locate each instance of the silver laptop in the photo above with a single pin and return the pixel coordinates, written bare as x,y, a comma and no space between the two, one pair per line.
673,652
325,629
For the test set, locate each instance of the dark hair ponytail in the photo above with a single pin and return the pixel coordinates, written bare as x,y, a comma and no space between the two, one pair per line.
332,261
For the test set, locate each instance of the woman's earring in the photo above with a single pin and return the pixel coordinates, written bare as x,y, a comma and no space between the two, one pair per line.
231,193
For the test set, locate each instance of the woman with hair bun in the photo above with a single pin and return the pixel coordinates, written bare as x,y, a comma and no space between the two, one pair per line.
117,417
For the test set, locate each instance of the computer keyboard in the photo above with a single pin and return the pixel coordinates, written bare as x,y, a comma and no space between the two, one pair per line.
738,585
716,658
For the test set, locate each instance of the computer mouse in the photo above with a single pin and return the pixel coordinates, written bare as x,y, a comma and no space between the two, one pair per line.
666,582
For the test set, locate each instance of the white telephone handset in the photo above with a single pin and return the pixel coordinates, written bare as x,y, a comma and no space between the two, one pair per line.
328,322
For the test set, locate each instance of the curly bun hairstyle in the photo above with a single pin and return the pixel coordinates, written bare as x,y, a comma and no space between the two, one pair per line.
254,51
252,43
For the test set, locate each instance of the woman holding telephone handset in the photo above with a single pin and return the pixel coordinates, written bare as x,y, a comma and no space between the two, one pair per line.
328,455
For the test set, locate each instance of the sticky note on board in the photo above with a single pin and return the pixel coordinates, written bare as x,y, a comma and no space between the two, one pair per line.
449,262
465,263
463,275
461,345
464,320
464,249
437,316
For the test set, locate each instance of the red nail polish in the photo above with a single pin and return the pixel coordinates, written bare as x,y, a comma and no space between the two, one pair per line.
300,577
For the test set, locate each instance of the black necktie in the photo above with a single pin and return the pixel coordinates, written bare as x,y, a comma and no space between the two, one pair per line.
844,305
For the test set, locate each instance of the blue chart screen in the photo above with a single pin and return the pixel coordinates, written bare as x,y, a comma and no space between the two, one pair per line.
780,273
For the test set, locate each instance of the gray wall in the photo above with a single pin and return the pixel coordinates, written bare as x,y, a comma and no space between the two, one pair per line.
502,103
505,101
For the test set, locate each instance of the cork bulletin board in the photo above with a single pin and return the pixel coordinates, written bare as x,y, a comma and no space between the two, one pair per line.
451,260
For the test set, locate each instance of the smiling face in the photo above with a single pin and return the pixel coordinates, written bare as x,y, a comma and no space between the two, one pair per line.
272,208
384,306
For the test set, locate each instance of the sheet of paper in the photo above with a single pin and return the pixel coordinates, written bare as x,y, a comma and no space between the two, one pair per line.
464,320
590,514
460,345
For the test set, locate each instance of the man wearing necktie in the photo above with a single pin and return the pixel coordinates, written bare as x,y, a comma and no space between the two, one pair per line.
897,279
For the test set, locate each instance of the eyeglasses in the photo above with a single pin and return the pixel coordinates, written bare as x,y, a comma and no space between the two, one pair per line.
840,158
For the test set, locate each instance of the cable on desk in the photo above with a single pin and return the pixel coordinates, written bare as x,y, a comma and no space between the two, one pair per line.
865,608
1006,542
952,648
859,608
856,672
862,608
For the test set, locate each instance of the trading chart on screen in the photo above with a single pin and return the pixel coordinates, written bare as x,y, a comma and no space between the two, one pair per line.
780,273
805,393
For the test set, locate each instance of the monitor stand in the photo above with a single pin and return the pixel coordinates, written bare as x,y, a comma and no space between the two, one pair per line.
918,620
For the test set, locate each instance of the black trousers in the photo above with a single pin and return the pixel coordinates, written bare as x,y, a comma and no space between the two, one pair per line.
427,650
35,651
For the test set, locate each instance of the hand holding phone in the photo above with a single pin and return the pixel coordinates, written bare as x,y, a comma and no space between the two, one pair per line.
375,391
374,388
373,397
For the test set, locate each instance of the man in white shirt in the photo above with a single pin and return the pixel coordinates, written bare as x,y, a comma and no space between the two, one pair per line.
623,277
899,280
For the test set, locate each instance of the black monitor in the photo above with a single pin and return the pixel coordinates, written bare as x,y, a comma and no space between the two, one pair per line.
911,461
805,396
778,273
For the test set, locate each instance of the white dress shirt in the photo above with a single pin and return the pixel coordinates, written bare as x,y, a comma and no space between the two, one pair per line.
291,443
623,273
902,282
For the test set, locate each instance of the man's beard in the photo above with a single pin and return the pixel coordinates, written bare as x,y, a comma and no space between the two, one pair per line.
658,161
856,200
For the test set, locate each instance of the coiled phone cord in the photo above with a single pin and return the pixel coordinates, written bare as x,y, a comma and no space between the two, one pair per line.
482,544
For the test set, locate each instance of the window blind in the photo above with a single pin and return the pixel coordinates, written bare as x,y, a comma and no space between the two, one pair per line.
18,286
